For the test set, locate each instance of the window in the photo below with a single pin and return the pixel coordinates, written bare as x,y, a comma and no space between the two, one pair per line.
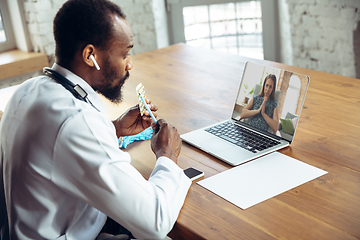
7,40
2,30
244,27
232,27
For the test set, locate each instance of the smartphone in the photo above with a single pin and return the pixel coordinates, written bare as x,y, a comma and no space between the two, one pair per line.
193,173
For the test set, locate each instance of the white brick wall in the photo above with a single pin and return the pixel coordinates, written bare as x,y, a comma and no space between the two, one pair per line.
140,15
321,34
39,16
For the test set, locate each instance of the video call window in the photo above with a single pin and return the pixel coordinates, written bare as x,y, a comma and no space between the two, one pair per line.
289,94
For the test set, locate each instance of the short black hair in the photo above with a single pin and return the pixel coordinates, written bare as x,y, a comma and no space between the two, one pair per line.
82,22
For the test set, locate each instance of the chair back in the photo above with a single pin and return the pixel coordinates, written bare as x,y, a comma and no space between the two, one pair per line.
4,226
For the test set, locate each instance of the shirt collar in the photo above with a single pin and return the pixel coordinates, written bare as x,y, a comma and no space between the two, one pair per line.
92,95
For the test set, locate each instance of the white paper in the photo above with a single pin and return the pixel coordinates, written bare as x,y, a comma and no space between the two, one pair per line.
5,95
260,179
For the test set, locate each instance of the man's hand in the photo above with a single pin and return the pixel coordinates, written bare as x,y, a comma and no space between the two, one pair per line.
131,122
165,141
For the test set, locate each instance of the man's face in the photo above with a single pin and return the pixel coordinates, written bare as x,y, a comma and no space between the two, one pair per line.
117,62
110,77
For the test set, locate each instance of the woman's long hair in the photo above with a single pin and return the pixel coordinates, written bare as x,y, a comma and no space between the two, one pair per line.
272,95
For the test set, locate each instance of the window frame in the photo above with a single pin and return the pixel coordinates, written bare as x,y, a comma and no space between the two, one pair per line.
10,42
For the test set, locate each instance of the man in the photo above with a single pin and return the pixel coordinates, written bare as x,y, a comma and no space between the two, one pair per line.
62,170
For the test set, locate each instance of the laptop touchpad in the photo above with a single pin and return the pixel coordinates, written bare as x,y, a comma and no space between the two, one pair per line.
216,145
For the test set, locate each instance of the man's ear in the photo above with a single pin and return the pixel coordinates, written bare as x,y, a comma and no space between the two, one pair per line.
89,51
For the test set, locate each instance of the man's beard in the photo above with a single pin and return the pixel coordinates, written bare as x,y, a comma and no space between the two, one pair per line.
114,94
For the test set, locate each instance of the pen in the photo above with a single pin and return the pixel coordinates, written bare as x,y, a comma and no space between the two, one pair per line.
148,109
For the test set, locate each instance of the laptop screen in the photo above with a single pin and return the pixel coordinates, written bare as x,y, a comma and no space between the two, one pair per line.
283,92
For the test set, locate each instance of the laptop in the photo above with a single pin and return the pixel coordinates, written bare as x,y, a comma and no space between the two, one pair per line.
249,135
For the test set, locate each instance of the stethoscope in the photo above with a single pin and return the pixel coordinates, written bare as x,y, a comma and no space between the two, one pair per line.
75,89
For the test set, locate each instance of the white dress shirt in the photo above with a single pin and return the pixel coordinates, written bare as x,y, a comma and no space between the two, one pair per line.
64,172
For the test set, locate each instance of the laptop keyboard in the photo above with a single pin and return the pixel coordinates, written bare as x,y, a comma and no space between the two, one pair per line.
242,137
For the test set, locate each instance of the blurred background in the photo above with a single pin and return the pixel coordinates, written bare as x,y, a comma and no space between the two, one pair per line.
318,34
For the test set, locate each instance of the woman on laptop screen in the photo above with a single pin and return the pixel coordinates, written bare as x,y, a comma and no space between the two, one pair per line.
262,110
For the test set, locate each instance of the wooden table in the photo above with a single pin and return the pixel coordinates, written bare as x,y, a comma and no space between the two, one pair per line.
194,87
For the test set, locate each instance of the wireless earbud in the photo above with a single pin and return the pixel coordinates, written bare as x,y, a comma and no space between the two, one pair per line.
95,63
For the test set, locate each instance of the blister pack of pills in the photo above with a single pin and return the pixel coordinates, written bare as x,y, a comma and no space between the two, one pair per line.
141,93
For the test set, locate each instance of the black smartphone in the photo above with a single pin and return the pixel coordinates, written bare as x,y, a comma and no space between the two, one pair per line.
193,173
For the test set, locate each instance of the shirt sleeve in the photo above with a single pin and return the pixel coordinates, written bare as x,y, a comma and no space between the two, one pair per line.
89,165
